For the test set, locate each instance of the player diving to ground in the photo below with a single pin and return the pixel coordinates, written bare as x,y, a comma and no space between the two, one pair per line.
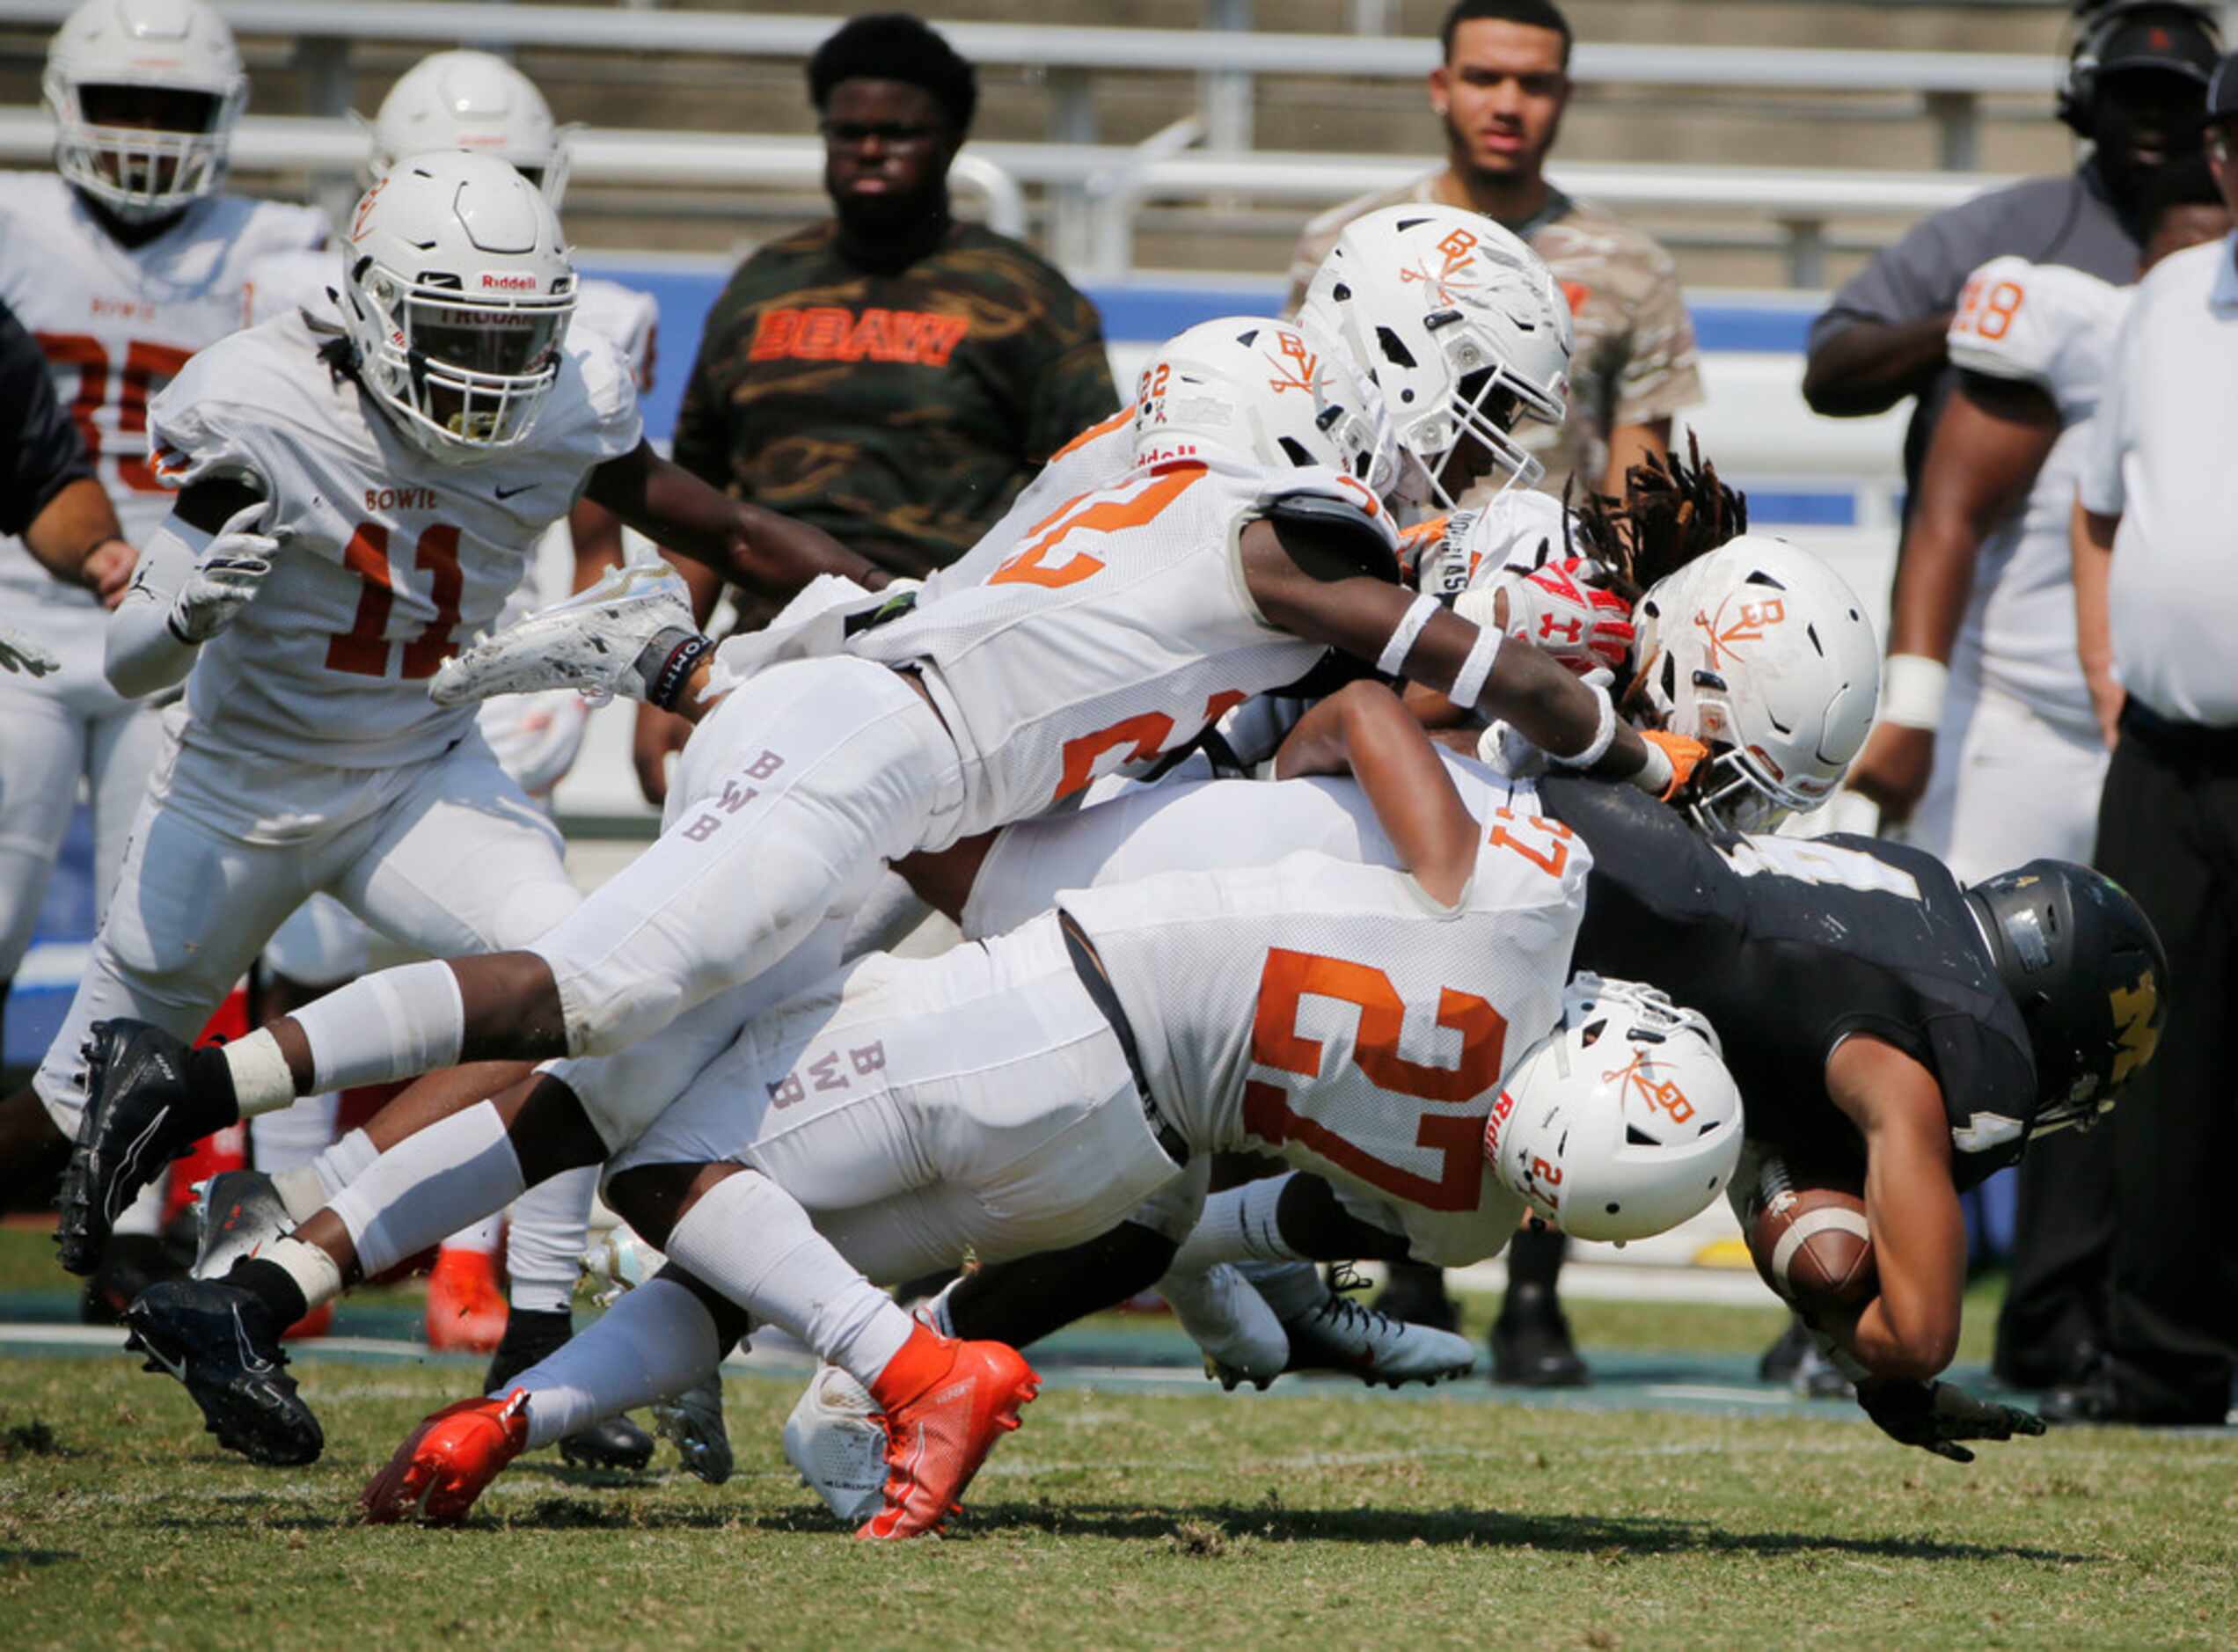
1127,622
1031,1090
346,502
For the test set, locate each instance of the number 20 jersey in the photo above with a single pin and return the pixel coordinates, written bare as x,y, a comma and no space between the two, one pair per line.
389,557
117,322
1331,1013
1116,630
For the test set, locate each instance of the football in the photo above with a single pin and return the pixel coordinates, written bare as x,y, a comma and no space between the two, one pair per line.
1808,1237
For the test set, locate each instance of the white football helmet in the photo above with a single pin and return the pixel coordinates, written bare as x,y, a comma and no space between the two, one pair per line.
1460,327
1266,393
457,291
1621,1122
1763,653
106,52
476,101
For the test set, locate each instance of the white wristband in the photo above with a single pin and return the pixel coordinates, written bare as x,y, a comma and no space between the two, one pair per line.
1912,690
1654,776
1468,681
1604,732
1403,640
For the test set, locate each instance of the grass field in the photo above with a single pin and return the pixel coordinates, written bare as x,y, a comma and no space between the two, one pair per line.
1127,1518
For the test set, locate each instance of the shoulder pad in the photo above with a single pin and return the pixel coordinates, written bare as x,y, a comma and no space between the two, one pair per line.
1329,499
206,424
2024,322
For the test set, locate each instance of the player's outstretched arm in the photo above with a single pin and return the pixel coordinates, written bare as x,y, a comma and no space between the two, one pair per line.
198,571
1363,730
1991,440
1911,1328
750,546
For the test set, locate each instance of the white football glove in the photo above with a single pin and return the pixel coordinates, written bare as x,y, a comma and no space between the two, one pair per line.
19,653
536,737
1558,607
226,576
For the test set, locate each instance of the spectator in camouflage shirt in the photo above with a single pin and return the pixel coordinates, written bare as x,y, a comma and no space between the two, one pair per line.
890,375
1501,93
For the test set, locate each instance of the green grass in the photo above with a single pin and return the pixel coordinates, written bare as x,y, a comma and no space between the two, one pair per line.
1122,1520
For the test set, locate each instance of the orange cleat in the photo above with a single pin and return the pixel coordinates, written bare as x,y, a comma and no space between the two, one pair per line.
944,1403
465,1308
446,1462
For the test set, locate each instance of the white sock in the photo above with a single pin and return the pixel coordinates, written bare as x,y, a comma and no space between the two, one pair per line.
480,1237
392,1024
548,1228
292,1136
144,1216
657,1340
312,1269
261,1081
350,1157
300,1192
1290,1289
749,1240
1238,1226
427,1185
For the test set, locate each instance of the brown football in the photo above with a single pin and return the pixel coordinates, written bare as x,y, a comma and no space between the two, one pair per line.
1808,1237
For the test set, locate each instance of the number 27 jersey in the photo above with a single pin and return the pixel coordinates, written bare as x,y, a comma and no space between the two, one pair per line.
1333,1013
388,557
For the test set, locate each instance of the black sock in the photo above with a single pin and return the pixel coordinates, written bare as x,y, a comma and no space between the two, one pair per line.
1534,1257
209,1082
274,1287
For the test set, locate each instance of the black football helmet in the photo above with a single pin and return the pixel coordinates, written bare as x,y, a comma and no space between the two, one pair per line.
2090,977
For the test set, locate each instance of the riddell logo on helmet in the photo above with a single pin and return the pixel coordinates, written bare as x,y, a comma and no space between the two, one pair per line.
492,280
1498,1117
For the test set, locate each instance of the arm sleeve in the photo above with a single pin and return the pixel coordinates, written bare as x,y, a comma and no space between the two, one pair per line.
145,655
1072,389
1662,373
41,453
1919,276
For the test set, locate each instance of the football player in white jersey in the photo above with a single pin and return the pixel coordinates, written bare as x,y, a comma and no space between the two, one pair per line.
123,260
1027,1092
346,503
478,102
1232,572
1989,745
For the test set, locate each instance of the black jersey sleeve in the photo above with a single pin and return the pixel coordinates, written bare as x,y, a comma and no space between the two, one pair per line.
42,452
1791,945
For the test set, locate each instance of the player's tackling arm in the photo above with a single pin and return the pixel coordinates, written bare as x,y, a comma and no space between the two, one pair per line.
1302,576
756,548
197,570
1363,731
1911,1328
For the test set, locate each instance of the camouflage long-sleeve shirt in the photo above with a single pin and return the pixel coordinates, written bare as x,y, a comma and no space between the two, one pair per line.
900,413
1635,360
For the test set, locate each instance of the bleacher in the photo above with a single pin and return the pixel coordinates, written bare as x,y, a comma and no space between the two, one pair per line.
1166,151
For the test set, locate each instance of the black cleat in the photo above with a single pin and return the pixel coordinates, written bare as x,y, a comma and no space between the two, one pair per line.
130,1264
1531,1345
532,1337
220,1342
140,1113
1783,1359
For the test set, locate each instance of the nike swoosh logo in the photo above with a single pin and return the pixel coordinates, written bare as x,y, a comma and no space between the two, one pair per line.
176,1367
507,493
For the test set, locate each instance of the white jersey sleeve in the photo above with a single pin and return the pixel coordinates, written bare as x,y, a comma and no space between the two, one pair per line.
1455,553
626,319
2040,323
1333,1013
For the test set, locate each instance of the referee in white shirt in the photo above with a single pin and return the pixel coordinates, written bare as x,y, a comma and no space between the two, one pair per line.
2156,599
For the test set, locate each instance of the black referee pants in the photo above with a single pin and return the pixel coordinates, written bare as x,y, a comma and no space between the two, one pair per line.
2167,832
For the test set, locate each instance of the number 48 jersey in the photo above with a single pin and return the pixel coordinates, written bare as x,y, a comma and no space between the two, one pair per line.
1333,1013
389,556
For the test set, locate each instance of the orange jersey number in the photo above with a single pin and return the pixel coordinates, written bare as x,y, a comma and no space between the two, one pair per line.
364,650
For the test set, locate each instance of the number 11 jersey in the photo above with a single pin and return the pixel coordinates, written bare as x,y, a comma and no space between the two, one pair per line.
389,557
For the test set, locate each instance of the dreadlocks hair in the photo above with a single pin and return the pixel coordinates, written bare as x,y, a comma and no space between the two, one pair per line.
1673,510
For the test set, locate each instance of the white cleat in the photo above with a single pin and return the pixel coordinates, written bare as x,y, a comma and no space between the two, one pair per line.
590,643
1339,1334
1241,1339
834,1440
694,1422
237,1214
619,1261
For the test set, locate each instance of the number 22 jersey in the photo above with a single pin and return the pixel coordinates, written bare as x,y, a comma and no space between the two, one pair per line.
388,557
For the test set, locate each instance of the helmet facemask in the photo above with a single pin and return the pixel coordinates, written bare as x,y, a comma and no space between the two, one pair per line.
141,172
468,376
